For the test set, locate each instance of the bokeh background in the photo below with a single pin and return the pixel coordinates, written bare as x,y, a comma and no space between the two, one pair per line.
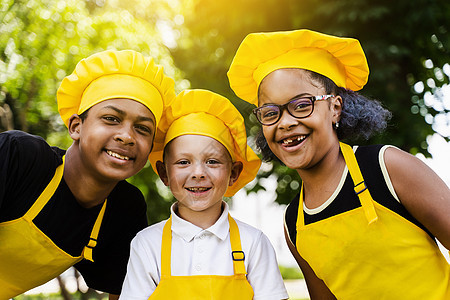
407,44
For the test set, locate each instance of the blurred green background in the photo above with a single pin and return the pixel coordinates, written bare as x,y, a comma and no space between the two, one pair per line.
407,44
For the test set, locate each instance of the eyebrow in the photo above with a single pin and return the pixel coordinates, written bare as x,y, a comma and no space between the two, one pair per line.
293,98
300,96
119,111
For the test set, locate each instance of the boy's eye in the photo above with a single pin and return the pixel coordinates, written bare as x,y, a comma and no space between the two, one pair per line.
182,162
143,129
111,118
212,161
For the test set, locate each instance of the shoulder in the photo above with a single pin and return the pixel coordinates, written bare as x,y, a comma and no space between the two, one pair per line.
402,167
151,233
254,241
290,218
22,140
149,239
248,231
28,149
128,198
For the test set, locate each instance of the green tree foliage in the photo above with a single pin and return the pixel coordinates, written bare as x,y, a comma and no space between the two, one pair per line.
406,42
41,42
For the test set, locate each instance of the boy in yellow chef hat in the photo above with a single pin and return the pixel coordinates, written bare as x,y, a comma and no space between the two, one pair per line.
63,208
366,218
201,252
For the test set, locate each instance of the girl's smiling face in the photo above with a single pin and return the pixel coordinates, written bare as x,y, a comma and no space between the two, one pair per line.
299,143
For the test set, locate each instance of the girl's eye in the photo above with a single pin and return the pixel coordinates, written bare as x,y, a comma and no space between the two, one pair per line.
182,162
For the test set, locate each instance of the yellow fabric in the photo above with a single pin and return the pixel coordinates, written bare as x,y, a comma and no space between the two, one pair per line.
202,124
358,258
87,251
201,112
28,258
338,58
214,287
358,181
115,74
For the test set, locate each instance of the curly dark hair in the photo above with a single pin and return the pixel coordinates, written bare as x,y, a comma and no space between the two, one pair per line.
361,117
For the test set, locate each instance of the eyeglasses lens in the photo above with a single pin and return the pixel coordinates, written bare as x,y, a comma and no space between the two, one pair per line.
299,108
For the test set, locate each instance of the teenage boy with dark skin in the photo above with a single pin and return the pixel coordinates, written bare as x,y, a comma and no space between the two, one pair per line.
74,208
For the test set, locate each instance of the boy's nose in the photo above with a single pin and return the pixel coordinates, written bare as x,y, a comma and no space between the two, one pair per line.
125,135
198,172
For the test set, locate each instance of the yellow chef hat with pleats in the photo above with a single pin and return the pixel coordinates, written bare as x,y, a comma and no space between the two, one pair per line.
115,74
340,59
202,112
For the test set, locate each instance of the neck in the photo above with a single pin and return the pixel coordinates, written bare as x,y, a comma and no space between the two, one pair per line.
320,182
203,219
87,190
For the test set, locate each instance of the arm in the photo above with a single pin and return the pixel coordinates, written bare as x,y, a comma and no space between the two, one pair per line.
316,287
143,268
263,271
423,193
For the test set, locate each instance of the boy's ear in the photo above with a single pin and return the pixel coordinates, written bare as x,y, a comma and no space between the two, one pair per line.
74,127
161,168
236,170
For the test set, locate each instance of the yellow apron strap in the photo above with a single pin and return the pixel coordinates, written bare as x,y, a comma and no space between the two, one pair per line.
46,194
236,248
166,249
87,252
300,219
360,186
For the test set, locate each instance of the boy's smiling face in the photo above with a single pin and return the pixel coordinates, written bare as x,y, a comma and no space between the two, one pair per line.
198,170
114,140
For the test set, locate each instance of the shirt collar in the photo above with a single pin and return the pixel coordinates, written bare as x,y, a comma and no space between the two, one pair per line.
187,231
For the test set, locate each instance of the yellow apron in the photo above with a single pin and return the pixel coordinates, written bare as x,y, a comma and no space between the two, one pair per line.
28,258
371,252
201,287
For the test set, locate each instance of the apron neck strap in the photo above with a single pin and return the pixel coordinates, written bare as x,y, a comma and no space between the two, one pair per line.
360,186
87,252
236,248
166,248
47,194
237,254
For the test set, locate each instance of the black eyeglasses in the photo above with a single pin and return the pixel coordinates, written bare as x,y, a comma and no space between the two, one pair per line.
301,107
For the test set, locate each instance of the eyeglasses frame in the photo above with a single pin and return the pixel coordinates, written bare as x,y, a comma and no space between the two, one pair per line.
283,107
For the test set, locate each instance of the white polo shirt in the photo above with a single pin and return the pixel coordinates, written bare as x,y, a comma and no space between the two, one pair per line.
197,251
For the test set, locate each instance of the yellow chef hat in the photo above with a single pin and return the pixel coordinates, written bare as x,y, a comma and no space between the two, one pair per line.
202,112
114,74
340,59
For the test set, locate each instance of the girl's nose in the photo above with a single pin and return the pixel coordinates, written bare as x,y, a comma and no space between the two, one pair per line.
287,121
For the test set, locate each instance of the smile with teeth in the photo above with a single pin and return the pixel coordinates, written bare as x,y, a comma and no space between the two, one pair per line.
197,189
293,140
116,155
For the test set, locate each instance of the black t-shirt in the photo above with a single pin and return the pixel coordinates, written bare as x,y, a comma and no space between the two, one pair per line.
27,165
346,200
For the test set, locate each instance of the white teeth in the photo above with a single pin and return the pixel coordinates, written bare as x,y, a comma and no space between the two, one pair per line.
116,155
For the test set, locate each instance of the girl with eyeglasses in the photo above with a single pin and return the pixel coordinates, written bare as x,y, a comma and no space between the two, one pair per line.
366,220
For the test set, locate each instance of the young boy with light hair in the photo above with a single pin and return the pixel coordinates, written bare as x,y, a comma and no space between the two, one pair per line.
201,252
